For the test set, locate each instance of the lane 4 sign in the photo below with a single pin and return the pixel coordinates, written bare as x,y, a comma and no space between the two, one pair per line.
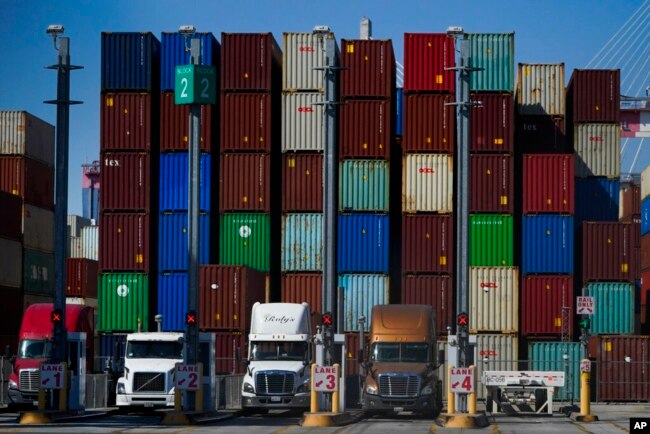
462,380
326,378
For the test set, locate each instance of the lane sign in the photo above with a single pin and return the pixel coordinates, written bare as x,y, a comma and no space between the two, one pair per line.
585,306
188,377
462,380
326,378
52,375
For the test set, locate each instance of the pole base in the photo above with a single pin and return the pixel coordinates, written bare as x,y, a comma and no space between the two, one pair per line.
175,418
326,419
584,417
34,418
464,420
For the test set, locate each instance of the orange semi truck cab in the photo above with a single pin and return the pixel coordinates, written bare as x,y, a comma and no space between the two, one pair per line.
401,363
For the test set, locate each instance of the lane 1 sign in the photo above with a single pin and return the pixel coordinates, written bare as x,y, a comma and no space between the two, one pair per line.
195,84
326,378
462,380
188,377
52,375
585,306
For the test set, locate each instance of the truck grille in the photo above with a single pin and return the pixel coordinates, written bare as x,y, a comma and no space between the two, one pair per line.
149,382
399,386
274,383
29,380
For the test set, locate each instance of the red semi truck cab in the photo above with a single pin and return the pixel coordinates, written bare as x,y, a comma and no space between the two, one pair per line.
35,346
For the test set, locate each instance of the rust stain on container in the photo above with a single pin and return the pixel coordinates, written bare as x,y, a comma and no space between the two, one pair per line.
429,124
302,182
125,122
245,182
365,129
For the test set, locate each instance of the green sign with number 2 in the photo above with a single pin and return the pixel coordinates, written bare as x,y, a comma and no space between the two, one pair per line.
195,84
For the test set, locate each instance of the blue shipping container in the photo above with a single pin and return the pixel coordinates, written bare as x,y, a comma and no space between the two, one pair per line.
363,243
597,200
547,244
174,52
172,300
173,241
302,242
614,307
130,61
399,116
361,292
174,181
645,216
110,353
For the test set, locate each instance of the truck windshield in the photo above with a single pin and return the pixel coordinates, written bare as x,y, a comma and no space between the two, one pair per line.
400,352
279,351
154,350
34,349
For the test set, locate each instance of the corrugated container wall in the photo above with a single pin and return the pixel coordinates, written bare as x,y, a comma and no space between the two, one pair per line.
38,228
540,89
495,53
428,59
172,300
250,61
38,272
542,134
593,95
111,352
174,180
230,349
614,313
244,239
365,129
126,181
494,299
433,290
548,183
81,277
361,292
645,216
90,242
302,182
302,122
245,182
499,352
303,53
492,124
399,112
491,240
173,241
302,242
174,126
492,183
427,183
630,201
597,199
303,287
363,243
11,216
227,295
126,122
429,123
607,252
11,257
364,185
550,356
173,52
22,133
428,243
124,242
645,252
547,244
367,68
645,182
123,300
29,179
543,298
75,223
246,122
597,150
130,61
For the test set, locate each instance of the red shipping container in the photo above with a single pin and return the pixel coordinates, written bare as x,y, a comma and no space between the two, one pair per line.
11,216
302,182
175,125
644,295
126,181
433,290
492,125
125,122
428,243
303,288
607,252
426,59
245,182
250,61
365,129
352,347
230,350
12,311
81,278
622,367
546,303
593,95
645,252
549,183
630,202
227,294
367,69
429,124
492,179
542,134
246,122
124,242
29,179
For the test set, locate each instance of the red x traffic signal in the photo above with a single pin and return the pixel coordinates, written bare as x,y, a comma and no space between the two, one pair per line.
190,318
327,319
462,319
56,316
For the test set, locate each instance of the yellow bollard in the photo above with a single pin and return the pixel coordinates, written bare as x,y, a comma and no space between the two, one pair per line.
41,398
335,395
471,403
585,395
314,395
63,392
451,396
178,399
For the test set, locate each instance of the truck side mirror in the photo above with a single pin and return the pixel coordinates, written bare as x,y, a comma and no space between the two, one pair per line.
441,357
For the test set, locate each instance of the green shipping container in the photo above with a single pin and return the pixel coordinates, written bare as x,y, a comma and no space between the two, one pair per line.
550,356
491,240
245,239
363,185
38,272
613,307
123,300
495,53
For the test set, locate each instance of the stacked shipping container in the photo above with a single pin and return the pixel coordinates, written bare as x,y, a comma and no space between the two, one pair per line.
643,209
81,265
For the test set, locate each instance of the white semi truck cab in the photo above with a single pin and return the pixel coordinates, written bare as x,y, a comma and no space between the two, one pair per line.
279,357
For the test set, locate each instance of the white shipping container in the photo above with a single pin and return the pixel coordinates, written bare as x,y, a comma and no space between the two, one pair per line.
75,223
87,301
90,243
38,228
302,122
494,299
11,260
24,134
645,183
540,89
302,54
74,247
427,183
597,150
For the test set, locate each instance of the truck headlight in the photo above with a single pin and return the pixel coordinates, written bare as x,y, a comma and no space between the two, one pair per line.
12,384
371,390
249,388
304,387
427,390
121,390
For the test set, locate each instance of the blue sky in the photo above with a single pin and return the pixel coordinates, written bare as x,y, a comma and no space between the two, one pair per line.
569,31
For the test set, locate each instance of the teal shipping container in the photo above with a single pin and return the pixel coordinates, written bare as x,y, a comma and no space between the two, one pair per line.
613,307
361,292
491,240
302,242
363,185
38,272
550,356
123,300
495,53
245,239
